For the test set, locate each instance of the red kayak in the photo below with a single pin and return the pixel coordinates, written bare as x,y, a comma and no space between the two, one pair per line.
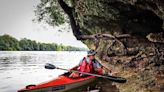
61,84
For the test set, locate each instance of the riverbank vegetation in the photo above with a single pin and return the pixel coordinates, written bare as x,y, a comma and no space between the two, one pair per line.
9,43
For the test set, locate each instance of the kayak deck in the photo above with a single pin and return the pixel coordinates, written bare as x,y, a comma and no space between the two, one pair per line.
60,84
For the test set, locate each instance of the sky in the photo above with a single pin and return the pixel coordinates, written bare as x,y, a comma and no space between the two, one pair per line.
16,20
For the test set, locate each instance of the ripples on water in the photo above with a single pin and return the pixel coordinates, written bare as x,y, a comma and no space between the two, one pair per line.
18,69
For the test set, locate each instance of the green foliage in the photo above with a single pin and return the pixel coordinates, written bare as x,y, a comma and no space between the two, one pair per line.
11,44
50,12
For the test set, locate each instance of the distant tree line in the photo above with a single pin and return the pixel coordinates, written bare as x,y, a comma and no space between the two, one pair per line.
9,43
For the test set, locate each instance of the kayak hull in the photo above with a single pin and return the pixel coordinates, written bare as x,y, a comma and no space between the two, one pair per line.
61,84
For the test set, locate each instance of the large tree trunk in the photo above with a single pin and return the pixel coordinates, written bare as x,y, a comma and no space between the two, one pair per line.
70,11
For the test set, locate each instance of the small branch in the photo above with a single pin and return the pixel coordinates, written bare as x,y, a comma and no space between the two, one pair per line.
108,36
117,36
65,7
123,36
157,38
99,36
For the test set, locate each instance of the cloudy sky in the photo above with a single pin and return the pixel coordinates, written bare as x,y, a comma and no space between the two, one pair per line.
16,20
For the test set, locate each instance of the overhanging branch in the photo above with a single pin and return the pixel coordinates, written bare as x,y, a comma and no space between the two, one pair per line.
99,36
155,37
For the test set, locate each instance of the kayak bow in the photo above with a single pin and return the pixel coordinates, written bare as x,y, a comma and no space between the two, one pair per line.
61,84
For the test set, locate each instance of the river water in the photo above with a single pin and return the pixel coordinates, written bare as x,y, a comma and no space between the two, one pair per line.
21,68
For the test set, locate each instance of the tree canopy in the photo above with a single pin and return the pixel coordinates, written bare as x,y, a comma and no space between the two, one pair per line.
51,12
57,12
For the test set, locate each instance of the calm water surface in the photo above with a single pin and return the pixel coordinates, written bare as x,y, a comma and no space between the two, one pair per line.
21,68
